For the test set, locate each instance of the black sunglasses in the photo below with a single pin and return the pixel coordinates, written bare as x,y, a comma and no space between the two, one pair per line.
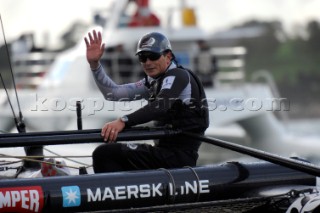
152,56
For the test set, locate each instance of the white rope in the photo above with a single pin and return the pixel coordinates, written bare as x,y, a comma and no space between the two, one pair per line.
67,158
30,158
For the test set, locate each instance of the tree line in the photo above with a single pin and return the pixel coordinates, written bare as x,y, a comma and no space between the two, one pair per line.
289,57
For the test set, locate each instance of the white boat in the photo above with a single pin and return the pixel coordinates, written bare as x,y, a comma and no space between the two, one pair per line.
247,109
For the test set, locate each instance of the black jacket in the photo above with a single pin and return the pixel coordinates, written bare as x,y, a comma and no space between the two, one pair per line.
177,99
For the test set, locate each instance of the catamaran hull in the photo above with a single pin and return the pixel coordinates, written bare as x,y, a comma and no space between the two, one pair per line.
139,189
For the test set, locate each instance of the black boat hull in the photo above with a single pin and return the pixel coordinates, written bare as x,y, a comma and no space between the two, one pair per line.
139,189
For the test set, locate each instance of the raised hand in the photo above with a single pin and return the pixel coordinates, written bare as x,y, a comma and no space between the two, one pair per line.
95,48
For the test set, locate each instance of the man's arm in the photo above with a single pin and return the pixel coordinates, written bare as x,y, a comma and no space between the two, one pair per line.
114,92
110,90
95,49
173,84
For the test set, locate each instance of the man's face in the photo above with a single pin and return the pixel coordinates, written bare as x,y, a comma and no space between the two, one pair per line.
154,64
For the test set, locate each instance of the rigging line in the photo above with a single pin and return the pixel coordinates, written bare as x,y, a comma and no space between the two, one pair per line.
5,89
52,152
3,163
10,65
24,158
54,164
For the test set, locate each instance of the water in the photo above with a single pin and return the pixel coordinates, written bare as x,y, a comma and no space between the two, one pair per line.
303,140
308,128
305,127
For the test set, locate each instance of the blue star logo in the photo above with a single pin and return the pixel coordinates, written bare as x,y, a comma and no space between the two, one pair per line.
71,196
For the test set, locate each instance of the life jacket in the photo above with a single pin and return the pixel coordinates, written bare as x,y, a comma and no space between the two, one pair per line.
193,116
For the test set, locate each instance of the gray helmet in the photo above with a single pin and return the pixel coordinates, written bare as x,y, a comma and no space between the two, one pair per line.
153,42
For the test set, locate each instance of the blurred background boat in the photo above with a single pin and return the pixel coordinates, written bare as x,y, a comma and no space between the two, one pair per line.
245,107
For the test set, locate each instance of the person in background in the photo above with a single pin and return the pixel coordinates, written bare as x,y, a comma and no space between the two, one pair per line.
206,63
176,99
143,16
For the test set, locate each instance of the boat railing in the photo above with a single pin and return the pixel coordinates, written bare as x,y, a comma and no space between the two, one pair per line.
30,68
231,62
230,65
122,68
